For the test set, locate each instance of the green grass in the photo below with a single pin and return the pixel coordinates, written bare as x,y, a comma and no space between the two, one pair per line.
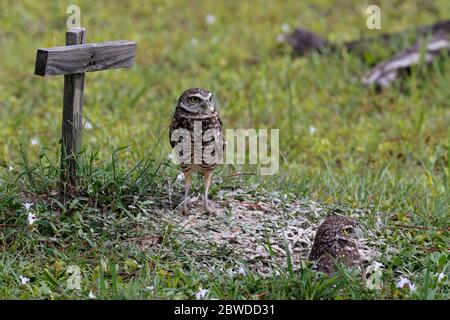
386,152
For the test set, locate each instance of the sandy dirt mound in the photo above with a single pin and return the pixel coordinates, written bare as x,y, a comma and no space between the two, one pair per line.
251,231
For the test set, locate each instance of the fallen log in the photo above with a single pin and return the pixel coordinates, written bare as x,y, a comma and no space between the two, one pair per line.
385,72
432,41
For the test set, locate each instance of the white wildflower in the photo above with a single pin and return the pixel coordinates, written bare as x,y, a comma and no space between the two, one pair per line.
210,19
242,271
34,141
440,276
280,38
170,156
180,177
285,27
151,288
312,130
10,168
406,282
88,125
91,295
31,218
201,293
24,280
402,282
27,205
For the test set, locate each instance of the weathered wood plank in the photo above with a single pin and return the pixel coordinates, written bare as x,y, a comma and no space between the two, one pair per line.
85,58
72,123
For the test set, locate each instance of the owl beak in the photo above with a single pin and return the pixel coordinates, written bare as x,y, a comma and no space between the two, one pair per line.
207,106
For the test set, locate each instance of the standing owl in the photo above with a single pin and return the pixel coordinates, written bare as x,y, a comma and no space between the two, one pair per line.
336,241
197,137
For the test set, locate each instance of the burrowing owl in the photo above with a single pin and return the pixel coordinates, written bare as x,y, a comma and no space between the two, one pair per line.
197,137
336,241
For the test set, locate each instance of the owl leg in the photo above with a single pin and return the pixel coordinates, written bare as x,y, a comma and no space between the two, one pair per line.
207,181
187,188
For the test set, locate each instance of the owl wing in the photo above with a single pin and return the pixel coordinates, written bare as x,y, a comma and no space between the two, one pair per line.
316,251
171,129
173,126
326,264
221,132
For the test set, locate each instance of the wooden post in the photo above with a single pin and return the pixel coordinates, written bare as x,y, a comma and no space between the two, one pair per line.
73,61
72,118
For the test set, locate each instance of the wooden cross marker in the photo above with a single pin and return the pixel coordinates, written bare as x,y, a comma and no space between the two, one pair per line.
73,61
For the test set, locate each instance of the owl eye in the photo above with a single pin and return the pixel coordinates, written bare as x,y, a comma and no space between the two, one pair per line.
194,99
347,230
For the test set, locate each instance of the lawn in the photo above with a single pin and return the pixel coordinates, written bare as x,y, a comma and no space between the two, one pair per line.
382,158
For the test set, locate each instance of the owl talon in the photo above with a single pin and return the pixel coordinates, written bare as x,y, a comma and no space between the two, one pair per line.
206,206
185,210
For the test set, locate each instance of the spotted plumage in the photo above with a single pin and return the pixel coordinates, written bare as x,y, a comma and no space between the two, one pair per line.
336,242
196,133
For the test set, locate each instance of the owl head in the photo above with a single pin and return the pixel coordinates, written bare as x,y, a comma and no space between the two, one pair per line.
335,232
197,100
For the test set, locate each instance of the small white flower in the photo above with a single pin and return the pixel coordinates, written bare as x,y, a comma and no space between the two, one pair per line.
312,130
91,295
402,282
210,19
242,271
285,27
27,205
34,141
88,125
170,156
280,38
406,282
24,280
440,276
201,293
151,288
31,218
180,177
10,168
194,42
